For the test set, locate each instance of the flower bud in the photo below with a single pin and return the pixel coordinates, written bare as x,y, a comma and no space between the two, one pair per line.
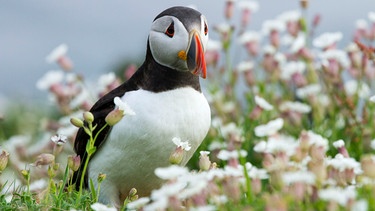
368,165
44,159
4,157
204,160
76,122
101,177
65,63
26,174
229,9
304,3
114,117
88,116
176,156
74,162
133,192
51,173
319,169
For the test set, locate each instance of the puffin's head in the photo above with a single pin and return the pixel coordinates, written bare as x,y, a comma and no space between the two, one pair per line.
178,39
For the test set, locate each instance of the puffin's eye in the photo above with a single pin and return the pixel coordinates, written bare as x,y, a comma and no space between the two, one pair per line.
170,31
205,29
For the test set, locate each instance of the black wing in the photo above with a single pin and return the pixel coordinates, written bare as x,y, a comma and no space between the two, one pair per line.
100,110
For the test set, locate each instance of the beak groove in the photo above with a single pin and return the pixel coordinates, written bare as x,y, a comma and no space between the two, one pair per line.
195,56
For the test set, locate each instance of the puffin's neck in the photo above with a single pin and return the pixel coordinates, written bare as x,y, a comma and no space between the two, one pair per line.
158,78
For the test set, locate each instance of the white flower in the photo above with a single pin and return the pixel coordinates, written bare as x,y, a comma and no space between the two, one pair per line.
372,98
159,204
371,16
226,155
295,106
291,68
327,39
170,172
352,47
298,176
317,139
8,198
59,139
342,163
50,78
360,205
260,147
216,145
361,24
183,144
204,208
223,28
101,207
298,43
309,90
105,80
324,100
202,153
256,173
135,205
245,66
213,45
261,102
281,144
272,25
196,185
57,53
269,49
229,106
123,106
78,100
230,129
334,54
232,171
216,122
253,6
270,128
249,36
339,143
352,87
337,194
167,190
293,15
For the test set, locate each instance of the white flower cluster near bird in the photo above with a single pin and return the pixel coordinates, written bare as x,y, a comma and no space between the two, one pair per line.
123,106
270,128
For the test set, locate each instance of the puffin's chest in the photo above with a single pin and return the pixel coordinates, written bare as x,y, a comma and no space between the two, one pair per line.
182,113
138,144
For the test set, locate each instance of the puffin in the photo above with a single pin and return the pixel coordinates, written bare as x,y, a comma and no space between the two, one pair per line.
166,97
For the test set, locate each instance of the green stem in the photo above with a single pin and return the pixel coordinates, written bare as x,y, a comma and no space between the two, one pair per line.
101,129
247,179
85,165
89,152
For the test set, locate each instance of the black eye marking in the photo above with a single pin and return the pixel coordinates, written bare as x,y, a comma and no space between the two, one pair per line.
205,29
170,30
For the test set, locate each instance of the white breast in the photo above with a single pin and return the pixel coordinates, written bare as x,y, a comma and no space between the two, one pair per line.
140,143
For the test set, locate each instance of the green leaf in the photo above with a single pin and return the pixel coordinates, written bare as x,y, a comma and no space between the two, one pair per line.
87,131
93,191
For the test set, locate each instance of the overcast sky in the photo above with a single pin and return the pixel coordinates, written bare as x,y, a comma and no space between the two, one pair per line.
100,34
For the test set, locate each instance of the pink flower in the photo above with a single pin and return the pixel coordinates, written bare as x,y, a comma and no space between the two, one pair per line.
58,55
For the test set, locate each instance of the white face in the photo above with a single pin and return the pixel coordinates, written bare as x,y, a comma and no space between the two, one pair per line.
169,39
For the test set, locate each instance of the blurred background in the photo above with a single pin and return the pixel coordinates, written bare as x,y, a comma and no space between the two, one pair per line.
102,35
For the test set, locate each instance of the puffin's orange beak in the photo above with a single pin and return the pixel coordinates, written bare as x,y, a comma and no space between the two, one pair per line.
195,56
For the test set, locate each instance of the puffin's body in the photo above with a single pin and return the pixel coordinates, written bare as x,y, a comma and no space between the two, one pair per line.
167,101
